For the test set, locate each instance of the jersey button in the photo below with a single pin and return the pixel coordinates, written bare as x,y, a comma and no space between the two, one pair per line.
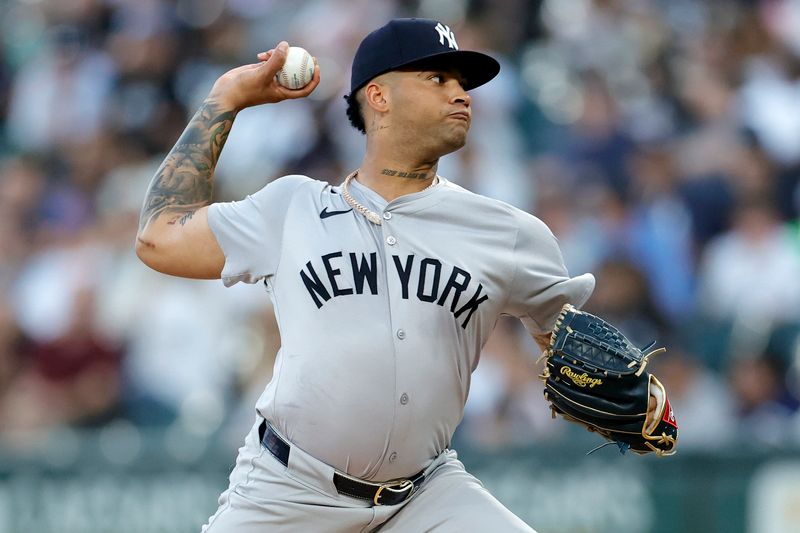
404,398
390,240
393,457
387,216
401,334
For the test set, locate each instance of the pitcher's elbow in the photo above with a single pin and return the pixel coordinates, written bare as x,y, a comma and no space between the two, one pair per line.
145,250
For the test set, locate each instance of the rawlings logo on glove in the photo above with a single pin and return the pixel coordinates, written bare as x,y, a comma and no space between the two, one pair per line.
606,389
581,380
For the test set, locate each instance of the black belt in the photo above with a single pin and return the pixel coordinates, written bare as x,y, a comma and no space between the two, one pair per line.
390,493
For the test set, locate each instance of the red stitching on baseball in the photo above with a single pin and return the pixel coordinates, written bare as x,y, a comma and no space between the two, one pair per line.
304,66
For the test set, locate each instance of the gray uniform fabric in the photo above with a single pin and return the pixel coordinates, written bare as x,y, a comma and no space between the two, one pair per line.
266,496
381,326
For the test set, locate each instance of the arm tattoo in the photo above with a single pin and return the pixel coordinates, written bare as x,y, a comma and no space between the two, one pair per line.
184,181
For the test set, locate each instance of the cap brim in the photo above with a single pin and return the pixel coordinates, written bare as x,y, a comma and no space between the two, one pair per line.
475,68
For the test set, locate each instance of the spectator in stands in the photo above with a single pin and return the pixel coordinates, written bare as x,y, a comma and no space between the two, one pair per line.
749,275
765,406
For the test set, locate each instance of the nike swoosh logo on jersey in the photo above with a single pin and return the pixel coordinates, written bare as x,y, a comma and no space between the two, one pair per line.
325,213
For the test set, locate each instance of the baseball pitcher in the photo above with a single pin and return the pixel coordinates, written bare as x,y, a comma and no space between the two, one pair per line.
385,289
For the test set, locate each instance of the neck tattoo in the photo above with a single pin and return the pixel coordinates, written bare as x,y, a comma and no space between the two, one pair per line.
370,215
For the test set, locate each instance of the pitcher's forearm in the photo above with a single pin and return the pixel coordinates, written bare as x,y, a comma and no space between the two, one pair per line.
175,236
184,181
543,340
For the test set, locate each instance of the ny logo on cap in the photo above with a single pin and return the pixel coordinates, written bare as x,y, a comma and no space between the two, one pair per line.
445,33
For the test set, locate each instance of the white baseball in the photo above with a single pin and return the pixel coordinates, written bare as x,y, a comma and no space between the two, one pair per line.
298,69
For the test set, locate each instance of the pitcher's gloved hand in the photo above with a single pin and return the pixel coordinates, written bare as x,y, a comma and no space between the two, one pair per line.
595,377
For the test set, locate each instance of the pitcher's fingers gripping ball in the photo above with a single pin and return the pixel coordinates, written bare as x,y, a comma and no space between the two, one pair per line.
594,376
298,71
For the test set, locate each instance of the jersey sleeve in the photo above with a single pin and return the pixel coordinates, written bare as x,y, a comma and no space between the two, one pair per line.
541,284
250,231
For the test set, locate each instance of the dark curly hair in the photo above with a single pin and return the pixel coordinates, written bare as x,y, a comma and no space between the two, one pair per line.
354,112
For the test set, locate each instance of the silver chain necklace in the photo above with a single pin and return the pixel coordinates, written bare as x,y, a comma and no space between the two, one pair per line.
370,215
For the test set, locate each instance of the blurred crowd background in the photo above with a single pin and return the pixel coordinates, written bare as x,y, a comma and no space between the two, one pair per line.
659,139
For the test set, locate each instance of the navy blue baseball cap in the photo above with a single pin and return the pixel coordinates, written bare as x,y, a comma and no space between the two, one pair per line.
404,42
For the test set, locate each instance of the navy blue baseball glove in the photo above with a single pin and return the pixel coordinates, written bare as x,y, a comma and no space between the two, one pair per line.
594,376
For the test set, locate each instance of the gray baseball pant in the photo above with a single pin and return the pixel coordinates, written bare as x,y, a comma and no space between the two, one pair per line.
264,495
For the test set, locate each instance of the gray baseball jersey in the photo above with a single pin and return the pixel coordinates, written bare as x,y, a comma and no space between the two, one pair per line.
382,325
